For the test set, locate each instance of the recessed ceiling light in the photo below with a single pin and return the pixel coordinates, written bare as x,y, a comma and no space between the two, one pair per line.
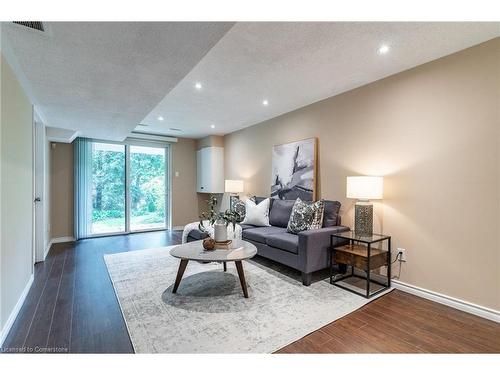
160,118
383,49
212,126
198,85
265,102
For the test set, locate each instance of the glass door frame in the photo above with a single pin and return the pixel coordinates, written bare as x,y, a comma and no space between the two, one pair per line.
168,188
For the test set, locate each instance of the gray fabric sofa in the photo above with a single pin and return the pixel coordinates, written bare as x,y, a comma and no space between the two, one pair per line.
306,251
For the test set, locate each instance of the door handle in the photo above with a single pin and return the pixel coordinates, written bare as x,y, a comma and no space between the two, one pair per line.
38,199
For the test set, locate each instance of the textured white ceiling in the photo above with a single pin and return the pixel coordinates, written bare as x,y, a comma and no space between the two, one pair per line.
295,64
103,78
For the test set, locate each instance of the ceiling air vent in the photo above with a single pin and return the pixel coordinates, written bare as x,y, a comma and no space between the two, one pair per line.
35,25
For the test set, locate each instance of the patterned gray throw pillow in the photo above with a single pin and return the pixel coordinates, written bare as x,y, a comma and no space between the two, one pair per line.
239,207
319,209
305,216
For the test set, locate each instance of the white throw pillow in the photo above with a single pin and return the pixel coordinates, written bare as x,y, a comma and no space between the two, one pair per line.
257,214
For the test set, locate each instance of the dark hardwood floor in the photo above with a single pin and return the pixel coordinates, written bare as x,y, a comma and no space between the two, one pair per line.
399,322
72,307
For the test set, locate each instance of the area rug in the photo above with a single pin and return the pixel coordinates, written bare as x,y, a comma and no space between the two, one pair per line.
209,314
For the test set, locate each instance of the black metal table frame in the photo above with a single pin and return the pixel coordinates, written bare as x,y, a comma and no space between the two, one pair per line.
367,271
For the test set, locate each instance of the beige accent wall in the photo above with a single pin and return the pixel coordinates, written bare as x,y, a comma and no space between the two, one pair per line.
433,133
16,191
47,194
61,194
184,196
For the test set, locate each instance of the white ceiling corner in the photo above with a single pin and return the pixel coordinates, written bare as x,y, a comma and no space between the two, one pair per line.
103,79
60,135
293,64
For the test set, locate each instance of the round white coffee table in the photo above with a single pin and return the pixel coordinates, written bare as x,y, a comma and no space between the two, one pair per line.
238,250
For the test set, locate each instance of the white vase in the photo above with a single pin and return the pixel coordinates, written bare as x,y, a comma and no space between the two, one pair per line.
220,231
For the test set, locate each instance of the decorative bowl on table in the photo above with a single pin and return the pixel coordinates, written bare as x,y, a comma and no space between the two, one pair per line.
209,244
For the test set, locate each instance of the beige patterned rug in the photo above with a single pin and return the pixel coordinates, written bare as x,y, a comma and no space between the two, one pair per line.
209,314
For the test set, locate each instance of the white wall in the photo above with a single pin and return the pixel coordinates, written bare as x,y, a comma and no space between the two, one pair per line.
16,195
47,196
1,263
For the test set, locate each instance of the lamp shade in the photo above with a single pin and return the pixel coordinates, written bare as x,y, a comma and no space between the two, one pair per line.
234,186
365,187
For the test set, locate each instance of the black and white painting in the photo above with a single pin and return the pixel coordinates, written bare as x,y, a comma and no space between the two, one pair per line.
294,170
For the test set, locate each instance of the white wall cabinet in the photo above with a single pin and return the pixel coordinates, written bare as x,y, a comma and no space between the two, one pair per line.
210,170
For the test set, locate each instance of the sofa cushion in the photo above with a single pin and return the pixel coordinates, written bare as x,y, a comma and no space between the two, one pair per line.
238,206
257,214
259,199
259,234
280,212
284,241
247,226
305,216
197,234
331,213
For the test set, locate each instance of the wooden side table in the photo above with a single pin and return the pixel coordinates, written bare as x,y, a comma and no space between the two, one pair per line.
359,253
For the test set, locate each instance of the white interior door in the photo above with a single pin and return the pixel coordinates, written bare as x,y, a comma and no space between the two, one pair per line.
39,161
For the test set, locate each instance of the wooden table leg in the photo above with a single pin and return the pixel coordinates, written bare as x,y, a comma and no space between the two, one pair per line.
180,272
239,267
225,266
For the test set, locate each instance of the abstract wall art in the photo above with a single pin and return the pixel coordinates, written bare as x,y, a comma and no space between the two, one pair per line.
294,170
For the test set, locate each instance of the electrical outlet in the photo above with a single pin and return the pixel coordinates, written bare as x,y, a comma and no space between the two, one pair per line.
402,257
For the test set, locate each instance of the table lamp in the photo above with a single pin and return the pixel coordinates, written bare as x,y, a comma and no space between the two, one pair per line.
233,187
364,188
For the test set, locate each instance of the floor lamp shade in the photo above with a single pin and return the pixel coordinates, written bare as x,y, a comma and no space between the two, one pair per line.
364,188
233,186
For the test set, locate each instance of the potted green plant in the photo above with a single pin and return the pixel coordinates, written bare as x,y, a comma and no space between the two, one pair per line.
219,220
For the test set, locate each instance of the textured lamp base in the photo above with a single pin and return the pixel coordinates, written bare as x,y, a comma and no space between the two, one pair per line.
233,199
363,218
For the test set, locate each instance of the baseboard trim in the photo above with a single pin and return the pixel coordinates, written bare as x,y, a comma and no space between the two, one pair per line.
56,240
180,227
13,315
47,249
471,308
62,239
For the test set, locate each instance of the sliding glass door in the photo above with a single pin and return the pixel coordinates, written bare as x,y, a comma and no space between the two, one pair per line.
107,193
124,186
147,188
